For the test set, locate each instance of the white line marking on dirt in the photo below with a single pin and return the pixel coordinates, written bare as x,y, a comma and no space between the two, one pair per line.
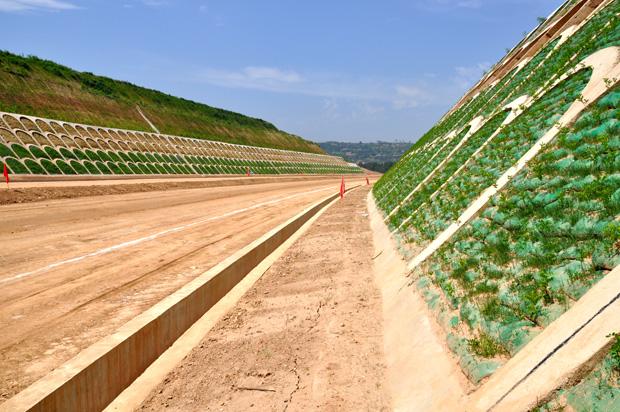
134,242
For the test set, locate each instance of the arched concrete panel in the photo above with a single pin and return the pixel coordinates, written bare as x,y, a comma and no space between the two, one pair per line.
55,140
124,145
92,143
70,129
59,165
104,133
93,132
12,122
8,136
44,125
122,135
81,130
41,139
58,129
29,124
25,137
33,165
103,144
68,142
81,143
35,160
114,145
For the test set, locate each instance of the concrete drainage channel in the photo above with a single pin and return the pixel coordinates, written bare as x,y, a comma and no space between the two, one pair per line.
98,374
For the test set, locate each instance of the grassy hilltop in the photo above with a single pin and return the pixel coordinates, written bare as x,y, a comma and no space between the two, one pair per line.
29,85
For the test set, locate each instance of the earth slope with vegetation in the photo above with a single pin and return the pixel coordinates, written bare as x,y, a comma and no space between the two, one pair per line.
32,86
546,237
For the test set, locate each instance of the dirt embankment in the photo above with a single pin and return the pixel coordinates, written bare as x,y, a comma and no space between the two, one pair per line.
307,336
37,192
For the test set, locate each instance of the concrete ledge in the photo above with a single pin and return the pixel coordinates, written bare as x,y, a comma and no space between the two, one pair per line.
557,354
422,374
93,378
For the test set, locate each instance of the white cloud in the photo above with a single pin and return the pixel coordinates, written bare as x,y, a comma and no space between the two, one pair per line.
25,5
409,97
331,108
439,5
154,3
467,76
348,96
274,79
469,4
271,74
253,77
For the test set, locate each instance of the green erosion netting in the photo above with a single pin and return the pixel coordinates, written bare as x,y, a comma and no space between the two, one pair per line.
539,245
50,167
460,157
77,166
420,166
5,151
33,167
483,170
599,390
65,168
15,166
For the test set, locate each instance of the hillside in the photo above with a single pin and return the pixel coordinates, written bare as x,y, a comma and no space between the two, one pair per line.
508,211
32,86
376,156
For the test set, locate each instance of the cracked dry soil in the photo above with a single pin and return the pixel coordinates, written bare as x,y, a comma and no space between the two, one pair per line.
307,336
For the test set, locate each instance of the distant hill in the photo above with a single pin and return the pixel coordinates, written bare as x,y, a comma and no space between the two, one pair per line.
376,156
29,85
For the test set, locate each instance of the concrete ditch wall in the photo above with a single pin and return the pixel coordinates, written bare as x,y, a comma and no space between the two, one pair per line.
98,374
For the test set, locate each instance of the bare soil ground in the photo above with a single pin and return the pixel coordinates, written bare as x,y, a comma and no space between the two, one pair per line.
47,317
307,336
26,192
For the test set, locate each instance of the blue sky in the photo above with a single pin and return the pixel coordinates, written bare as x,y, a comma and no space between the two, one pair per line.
325,70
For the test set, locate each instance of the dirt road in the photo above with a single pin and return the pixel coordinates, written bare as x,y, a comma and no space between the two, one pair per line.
307,336
74,270
25,192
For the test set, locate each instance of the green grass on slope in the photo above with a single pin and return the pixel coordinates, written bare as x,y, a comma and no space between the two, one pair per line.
29,85
538,246
503,151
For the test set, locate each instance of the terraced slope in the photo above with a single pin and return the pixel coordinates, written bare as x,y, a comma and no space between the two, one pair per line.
37,146
509,207
37,87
